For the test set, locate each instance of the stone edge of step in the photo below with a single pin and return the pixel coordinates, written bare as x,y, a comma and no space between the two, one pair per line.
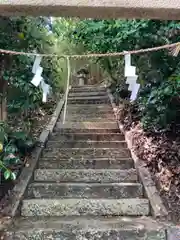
123,163
30,224
80,184
88,175
104,106
77,152
93,150
93,207
41,225
88,98
89,125
88,135
83,190
85,143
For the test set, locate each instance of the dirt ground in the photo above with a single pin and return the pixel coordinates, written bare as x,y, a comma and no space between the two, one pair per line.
161,154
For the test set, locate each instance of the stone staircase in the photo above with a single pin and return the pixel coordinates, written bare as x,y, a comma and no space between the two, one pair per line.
85,186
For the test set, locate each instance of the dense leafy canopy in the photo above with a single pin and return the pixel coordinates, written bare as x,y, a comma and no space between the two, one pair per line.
25,34
120,35
22,34
28,34
159,72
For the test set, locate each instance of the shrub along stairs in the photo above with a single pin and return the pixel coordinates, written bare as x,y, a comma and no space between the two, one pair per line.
85,186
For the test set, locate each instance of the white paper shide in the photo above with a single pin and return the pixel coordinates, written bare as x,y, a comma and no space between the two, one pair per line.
46,90
131,77
36,64
38,79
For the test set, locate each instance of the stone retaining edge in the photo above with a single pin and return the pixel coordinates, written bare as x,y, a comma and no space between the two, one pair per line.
14,202
50,127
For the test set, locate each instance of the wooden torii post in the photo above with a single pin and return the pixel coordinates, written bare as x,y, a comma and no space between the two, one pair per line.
147,9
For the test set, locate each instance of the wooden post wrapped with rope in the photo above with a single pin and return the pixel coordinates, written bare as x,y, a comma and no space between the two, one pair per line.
67,88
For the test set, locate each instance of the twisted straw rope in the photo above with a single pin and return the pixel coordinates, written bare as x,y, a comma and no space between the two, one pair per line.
115,54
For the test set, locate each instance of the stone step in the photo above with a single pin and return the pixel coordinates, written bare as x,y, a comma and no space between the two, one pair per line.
89,112
92,115
84,118
87,94
93,163
86,175
86,228
89,97
104,107
88,100
85,144
81,153
56,136
88,89
95,127
88,116
83,190
92,207
88,109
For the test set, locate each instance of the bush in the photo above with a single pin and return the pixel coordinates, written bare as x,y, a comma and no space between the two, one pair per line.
13,145
159,96
159,105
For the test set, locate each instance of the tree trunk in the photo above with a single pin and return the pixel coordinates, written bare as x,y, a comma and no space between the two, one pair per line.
3,100
6,62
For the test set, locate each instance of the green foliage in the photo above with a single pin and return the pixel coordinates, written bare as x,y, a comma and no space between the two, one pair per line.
159,105
62,27
13,145
29,34
159,101
23,34
104,36
20,34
